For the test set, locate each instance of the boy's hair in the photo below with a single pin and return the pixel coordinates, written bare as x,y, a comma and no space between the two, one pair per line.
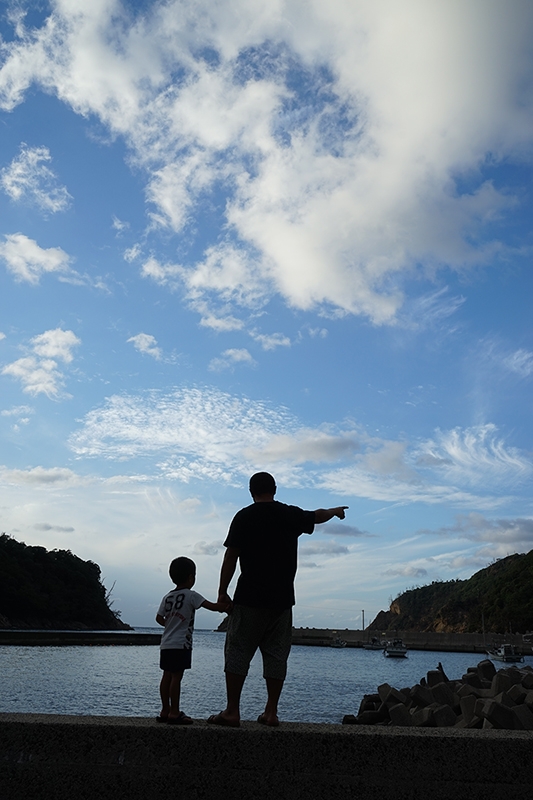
262,483
181,568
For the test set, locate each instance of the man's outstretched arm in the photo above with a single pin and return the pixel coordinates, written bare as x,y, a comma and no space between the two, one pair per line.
325,514
227,571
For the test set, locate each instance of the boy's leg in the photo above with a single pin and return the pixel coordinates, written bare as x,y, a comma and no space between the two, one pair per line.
174,693
164,691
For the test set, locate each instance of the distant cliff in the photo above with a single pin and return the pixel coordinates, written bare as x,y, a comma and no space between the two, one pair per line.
52,589
499,597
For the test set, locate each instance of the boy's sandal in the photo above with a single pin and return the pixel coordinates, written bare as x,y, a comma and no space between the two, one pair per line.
181,719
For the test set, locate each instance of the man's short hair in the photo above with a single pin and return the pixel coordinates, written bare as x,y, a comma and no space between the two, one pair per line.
262,483
181,568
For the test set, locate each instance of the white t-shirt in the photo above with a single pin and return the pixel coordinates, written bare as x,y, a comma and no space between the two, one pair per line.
177,608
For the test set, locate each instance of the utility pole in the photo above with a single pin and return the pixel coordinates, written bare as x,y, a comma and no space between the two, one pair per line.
363,613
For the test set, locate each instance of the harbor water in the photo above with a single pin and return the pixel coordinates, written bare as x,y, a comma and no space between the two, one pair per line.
323,683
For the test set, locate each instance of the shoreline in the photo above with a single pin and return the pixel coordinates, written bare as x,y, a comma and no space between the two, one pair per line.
307,637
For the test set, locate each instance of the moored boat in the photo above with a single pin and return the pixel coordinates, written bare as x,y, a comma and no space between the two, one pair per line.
395,649
374,644
505,652
337,642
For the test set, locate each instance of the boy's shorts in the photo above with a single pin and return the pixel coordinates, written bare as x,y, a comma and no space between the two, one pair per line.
268,629
175,660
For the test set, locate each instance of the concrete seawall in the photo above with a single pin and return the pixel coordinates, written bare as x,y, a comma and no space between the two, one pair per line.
46,757
438,642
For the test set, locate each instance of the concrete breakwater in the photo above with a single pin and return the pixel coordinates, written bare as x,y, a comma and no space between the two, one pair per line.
315,637
438,642
43,757
65,638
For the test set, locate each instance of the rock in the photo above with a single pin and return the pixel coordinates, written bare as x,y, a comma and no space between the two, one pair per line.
433,677
399,715
442,694
504,702
444,717
421,696
523,718
486,670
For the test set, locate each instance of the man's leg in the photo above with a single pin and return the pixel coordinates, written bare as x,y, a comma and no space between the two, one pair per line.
275,649
239,648
234,684
270,714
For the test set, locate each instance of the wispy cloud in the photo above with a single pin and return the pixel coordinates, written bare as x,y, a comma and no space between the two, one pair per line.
29,179
211,435
39,372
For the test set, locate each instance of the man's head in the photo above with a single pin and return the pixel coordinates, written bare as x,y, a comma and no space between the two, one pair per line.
181,569
261,484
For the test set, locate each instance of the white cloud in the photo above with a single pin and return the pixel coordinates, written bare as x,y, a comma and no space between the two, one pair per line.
272,340
147,344
512,533
28,262
38,476
306,446
339,133
406,571
55,343
45,526
230,358
2,336
203,548
17,411
39,372
29,179
322,548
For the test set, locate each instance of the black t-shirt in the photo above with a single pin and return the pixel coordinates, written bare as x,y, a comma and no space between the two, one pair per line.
266,535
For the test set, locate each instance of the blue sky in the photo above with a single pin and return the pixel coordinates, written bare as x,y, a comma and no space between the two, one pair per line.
293,237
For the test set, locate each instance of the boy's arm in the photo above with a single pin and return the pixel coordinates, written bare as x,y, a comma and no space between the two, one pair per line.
325,514
160,620
214,606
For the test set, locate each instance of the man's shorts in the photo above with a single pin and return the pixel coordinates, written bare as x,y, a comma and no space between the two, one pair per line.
175,660
268,629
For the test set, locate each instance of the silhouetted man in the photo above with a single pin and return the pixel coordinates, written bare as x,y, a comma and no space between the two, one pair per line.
263,538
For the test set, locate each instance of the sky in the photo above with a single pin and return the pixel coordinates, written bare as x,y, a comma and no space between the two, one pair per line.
292,237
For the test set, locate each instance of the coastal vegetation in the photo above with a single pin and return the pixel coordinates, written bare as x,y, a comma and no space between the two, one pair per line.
52,589
497,599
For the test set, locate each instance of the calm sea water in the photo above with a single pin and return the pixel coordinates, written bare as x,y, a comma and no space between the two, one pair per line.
322,685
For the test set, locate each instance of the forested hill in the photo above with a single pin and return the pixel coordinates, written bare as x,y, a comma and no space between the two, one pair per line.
501,594
52,589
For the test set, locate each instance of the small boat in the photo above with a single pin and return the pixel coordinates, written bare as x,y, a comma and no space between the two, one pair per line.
395,649
374,644
505,652
337,642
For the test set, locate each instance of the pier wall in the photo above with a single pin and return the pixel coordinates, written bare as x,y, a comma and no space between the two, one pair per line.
443,642
94,758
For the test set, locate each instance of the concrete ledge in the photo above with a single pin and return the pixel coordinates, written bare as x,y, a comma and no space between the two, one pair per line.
45,757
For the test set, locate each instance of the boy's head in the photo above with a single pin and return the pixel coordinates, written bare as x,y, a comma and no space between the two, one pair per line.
181,569
262,483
